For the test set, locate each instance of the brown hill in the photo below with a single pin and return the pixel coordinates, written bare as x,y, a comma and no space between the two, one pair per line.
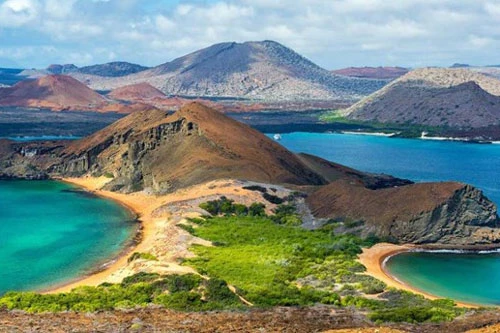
456,98
164,152
136,92
383,73
56,92
446,213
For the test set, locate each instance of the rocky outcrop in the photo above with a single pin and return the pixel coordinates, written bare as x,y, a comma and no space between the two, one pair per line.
32,160
427,213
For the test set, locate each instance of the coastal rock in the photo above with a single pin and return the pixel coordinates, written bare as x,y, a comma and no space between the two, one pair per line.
427,213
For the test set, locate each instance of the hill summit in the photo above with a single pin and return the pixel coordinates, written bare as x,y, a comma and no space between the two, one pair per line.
452,98
154,149
260,70
56,92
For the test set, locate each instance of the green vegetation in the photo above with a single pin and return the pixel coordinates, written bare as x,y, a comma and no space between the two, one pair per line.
269,260
405,130
273,262
140,255
180,292
227,207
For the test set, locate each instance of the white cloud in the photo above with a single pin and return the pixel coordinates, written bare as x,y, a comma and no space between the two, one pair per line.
16,13
333,33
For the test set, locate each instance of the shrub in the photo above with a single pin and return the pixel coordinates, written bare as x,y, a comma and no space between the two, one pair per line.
255,188
140,277
188,228
257,209
286,215
273,198
217,291
240,210
141,255
412,314
182,301
176,283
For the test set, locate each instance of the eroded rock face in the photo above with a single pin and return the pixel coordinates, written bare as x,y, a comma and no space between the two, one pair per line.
163,152
429,213
467,217
132,171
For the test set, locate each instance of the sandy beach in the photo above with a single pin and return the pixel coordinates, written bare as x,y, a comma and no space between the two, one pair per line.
159,216
373,259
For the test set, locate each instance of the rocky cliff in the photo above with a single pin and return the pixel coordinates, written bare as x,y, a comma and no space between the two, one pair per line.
426,213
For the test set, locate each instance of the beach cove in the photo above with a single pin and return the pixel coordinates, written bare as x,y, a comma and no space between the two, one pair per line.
160,236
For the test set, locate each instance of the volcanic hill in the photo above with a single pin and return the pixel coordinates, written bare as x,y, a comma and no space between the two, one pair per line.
424,213
136,92
153,149
161,152
56,92
62,93
256,70
455,98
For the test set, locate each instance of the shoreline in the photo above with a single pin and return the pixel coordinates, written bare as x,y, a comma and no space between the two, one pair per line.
374,260
160,236
99,274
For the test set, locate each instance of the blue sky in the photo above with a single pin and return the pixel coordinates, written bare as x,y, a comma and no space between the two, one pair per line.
332,33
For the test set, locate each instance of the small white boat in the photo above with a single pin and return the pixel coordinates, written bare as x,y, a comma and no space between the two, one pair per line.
277,137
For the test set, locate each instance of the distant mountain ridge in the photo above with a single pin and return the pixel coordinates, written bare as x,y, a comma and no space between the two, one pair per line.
456,98
383,73
111,69
256,70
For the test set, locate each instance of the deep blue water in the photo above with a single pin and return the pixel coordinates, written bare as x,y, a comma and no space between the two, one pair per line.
417,160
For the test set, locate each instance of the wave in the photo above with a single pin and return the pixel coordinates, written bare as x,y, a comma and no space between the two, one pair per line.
457,251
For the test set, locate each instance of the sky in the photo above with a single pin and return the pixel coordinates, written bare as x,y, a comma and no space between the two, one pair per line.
331,33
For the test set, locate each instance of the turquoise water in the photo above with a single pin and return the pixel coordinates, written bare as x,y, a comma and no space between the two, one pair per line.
418,160
470,278
50,233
